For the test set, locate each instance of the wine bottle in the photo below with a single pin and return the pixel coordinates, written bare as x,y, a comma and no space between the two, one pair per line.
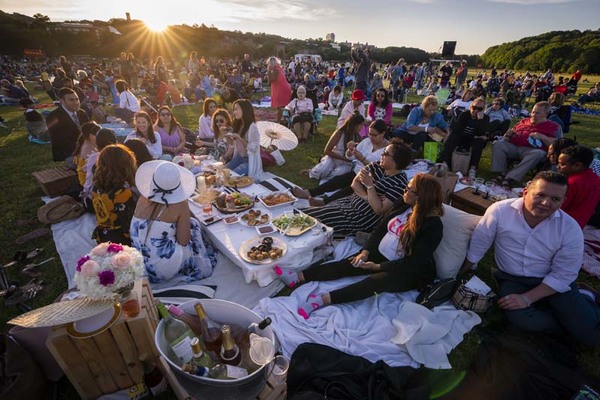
191,320
209,330
219,371
230,352
178,335
153,378
200,358
256,328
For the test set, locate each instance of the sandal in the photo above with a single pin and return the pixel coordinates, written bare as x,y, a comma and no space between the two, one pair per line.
316,202
305,173
21,255
23,293
35,234
300,193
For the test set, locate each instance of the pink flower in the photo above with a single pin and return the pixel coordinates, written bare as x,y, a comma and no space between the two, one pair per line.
90,268
121,260
100,250
81,261
106,277
114,248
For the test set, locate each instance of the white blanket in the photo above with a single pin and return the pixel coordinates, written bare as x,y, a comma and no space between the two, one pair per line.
73,240
366,328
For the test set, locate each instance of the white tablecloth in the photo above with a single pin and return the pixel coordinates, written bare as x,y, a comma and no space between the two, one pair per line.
302,251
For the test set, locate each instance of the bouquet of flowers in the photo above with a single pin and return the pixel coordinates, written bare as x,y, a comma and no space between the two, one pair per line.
107,269
184,160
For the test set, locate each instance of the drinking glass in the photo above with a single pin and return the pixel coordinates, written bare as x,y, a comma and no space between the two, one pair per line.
489,185
207,209
280,368
478,185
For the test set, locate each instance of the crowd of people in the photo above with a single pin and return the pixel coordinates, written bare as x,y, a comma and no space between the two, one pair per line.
140,197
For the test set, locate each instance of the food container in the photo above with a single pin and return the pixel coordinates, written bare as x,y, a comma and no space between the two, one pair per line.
221,311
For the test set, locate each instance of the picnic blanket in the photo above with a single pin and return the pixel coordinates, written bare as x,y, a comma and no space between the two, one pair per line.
591,250
73,239
366,328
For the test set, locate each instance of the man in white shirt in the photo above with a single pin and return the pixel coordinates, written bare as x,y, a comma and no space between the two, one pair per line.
538,250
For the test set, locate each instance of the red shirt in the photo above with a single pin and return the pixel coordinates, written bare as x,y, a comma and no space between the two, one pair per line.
524,128
583,196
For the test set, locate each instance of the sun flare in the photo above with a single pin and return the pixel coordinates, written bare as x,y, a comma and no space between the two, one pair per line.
156,26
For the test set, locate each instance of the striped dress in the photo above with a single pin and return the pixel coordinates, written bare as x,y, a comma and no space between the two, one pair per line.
351,214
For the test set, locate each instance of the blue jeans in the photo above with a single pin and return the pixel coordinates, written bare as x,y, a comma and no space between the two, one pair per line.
571,312
239,165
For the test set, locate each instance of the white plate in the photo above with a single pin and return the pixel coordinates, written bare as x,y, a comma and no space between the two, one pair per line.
248,244
262,212
296,231
266,229
92,326
235,218
292,199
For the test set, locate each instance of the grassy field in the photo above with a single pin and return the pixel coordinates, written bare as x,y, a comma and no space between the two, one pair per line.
20,200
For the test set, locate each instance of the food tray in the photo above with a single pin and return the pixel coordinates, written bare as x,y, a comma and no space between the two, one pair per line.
274,194
260,221
295,231
277,242
238,181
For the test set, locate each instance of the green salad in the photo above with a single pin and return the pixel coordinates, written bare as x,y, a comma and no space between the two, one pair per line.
297,222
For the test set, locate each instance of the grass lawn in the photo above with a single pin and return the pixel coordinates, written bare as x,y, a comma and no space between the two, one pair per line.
21,194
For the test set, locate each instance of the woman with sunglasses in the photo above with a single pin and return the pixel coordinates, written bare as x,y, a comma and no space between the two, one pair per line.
398,255
380,106
470,132
375,189
246,141
367,151
171,133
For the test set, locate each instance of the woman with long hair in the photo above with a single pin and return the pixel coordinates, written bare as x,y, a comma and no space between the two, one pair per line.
375,188
367,151
380,106
85,146
206,134
140,151
421,122
281,91
221,126
145,132
171,133
246,141
334,161
128,103
398,255
113,197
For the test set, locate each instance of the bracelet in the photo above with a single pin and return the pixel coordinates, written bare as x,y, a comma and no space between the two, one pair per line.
526,300
369,187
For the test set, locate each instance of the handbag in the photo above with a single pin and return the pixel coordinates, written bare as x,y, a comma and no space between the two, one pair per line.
61,209
437,293
466,299
461,161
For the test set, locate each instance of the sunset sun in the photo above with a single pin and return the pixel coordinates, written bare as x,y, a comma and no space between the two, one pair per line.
156,25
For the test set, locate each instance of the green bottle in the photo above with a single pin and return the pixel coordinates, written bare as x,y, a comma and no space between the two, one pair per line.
178,335
200,358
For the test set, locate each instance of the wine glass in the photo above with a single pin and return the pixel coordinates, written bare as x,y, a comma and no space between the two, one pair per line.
478,184
489,185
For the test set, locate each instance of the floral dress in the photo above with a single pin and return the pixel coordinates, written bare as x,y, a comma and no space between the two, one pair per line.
164,258
114,210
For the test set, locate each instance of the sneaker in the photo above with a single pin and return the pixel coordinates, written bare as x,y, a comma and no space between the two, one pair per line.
589,291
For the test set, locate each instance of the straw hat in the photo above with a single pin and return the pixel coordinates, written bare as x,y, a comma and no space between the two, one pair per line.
62,313
358,95
164,182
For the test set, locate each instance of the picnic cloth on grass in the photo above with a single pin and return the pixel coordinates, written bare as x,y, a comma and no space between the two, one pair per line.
73,240
366,328
591,250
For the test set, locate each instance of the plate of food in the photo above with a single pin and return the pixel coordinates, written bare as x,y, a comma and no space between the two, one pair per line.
231,219
208,196
238,181
229,203
263,250
291,224
255,218
277,199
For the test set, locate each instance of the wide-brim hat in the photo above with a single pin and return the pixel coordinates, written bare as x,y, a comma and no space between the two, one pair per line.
358,94
164,182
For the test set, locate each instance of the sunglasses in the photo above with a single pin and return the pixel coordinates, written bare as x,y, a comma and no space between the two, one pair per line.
165,114
477,108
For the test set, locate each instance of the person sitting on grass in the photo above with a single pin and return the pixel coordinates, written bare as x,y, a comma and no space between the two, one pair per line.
398,255
367,151
539,251
584,185
527,142
421,122
375,189
145,132
86,146
113,196
499,118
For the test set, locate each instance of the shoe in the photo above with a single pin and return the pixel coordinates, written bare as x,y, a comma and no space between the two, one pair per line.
299,192
589,291
35,234
316,201
305,173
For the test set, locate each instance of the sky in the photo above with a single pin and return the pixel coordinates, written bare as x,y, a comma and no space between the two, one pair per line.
474,24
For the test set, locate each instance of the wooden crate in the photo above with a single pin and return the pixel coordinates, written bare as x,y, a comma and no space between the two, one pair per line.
108,362
56,181
466,201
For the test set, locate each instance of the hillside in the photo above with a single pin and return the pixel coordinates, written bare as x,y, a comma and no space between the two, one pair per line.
563,51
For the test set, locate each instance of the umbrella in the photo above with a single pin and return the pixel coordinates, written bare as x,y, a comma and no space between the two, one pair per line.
272,133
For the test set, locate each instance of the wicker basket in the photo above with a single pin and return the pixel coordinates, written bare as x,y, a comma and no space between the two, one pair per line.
56,181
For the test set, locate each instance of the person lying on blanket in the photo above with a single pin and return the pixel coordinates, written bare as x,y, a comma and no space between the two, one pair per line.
398,256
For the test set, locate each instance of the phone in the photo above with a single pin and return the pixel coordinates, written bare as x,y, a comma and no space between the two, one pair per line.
211,220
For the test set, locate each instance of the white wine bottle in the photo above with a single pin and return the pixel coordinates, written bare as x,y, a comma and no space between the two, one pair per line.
178,335
219,371
200,357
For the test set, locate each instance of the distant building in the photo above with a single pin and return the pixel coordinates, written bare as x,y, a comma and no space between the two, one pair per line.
330,37
76,27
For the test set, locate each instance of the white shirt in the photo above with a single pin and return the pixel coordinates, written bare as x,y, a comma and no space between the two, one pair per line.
553,250
155,149
205,128
128,101
366,149
389,246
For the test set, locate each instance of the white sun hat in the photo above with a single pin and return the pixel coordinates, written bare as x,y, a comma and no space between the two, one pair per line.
164,182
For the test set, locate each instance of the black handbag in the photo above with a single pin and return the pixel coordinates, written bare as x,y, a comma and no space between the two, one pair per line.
437,293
